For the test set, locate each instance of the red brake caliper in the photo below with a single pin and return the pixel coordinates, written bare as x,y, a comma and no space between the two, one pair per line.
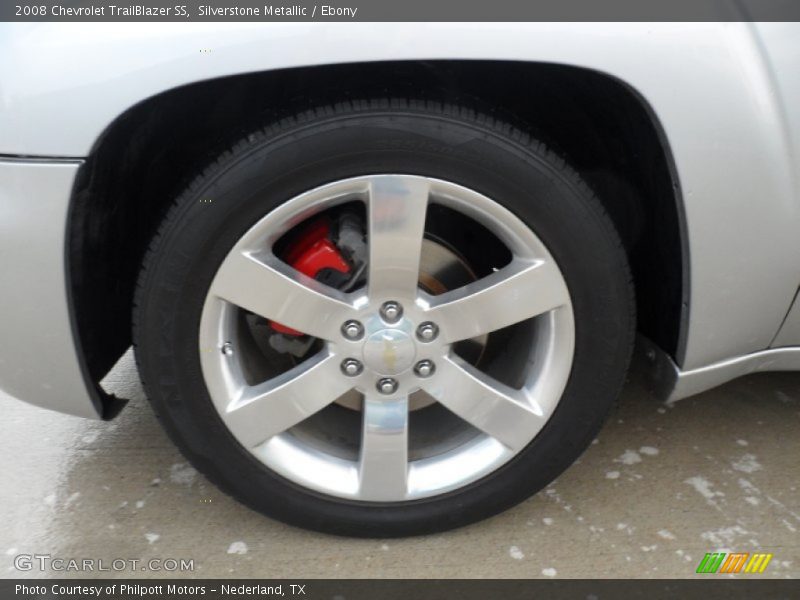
310,253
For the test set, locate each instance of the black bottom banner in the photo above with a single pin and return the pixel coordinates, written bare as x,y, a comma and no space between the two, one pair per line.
397,589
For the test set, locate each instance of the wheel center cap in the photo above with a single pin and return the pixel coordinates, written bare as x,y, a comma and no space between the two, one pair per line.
389,351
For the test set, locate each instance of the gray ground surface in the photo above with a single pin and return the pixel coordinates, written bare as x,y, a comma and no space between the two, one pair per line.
659,488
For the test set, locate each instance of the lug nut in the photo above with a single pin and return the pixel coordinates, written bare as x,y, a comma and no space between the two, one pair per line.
352,330
351,367
391,311
227,349
424,368
427,332
387,385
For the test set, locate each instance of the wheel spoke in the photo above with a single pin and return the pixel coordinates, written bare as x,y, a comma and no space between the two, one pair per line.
383,466
272,289
397,208
504,413
519,291
269,408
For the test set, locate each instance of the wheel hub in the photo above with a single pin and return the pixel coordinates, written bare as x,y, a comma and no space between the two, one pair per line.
389,351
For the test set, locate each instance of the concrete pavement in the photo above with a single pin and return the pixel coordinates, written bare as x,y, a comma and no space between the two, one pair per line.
658,489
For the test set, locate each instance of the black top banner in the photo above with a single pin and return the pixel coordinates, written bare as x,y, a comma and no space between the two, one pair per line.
399,10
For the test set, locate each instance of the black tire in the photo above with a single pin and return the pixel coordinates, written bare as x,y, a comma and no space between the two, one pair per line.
336,142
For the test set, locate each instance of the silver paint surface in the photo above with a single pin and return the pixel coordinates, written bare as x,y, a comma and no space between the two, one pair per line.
727,96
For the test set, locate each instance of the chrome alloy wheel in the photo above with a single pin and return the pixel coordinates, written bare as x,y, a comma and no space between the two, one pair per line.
387,341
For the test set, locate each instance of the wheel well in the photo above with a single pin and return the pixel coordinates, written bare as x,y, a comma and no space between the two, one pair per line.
147,155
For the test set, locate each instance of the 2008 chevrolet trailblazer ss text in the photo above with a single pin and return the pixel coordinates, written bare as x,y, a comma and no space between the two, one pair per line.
385,279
